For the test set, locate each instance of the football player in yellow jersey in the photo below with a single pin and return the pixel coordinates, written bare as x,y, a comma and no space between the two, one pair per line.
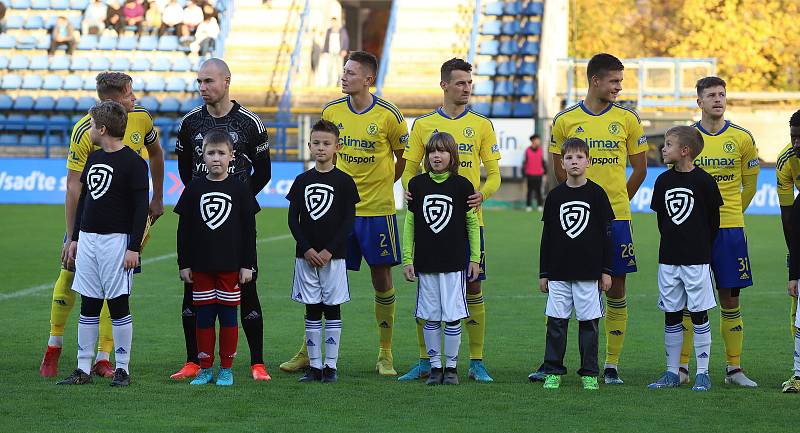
615,136
139,135
373,134
731,157
477,143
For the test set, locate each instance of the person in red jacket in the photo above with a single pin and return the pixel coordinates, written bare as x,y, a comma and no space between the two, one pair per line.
534,168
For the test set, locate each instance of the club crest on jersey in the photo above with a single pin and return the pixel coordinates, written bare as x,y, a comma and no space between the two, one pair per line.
680,202
729,147
234,136
574,216
98,179
215,207
318,198
615,128
372,129
136,137
437,209
469,132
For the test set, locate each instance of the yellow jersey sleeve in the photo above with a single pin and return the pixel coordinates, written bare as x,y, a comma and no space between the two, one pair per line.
637,141
557,135
397,135
750,163
787,175
80,145
489,151
415,147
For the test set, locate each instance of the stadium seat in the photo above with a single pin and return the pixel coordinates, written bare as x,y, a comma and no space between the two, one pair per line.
59,119
59,5
140,65
66,103
511,27
90,83
23,103
525,88
494,9
56,139
491,28
15,22
530,48
5,102
34,22
8,140
40,4
38,63
488,67
127,43
30,140
504,88
3,62
20,4
85,103
7,42
527,68
191,86
169,105
59,63
72,82
532,28
32,82
87,42
175,84
509,48
52,82
19,62
79,64
43,43
147,43
501,109
483,88
11,82
512,8
44,103
168,43
182,64
17,122
161,64
78,4
534,8
107,43
138,84
75,118
489,48
120,64
484,108
100,64
196,65
188,104
148,102
507,68
155,84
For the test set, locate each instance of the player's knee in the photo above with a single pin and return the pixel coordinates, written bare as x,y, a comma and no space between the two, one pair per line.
314,312
332,312
589,325
700,317
381,278
90,307
119,307
474,287
453,324
227,316
673,318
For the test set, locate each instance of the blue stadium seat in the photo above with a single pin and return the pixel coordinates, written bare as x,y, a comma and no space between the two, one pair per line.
72,82
161,64
85,103
509,48
75,20
2,121
188,104
487,68
40,4
140,64
138,84
87,42
175,84
504,88
155,84
501,109
7,42
511,27
52,82
100,64
191,85
19,62
78,4
44,103
90,83
59,5
527,68
491,28
20,4
5,102
15,22
32,82
196,65
11,82
120,64
534,8
507,68
169,105
59,118
494,9
66,103
30,140
147,43
8,140
532,28
127,43
525,88
26,42
530,48
51,21
182,64
107,43
75,118
79,64
512,8
149,102
23,103
168,43
17,122
38,63
56,139
489,48
483,88
43,43
484,108
34,22
3,62
59,63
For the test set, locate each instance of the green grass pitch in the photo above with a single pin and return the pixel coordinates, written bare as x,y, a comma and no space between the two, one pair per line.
363,401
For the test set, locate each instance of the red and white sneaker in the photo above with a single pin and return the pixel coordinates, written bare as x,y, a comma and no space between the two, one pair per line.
188,371
103,368
260,372
49,367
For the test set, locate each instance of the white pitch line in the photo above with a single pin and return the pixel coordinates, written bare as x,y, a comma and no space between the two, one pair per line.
147,261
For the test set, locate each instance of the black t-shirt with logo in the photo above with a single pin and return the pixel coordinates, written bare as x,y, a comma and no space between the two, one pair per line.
687,205
576,237
114,195
217,226
440,222
322,211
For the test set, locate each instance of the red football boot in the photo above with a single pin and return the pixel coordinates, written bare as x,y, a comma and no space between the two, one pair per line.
49,367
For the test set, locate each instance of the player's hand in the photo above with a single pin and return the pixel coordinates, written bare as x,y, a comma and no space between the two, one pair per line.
408,272
475,199
313,258
68,254
543,285
325,256
474,271
793,288
186,275
131,260
408,197
605,282
155,210
245,275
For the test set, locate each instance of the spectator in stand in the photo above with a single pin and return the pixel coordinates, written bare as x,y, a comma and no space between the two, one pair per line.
171,18
62,34
209,11
192,17
205,38
94,18
134,15
152,18
114,16
335,49
2,17
534,168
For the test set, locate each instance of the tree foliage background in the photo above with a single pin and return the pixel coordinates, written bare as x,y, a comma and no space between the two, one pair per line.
756,42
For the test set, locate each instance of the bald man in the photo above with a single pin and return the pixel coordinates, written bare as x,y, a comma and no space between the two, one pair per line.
251,164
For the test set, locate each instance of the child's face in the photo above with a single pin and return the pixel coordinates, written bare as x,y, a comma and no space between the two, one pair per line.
672,152
575,163
440,160
217,158
323,145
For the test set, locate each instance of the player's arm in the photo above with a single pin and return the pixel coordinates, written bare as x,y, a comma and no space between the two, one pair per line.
399,164
557,137
749,183
607,216
413,155
785,198
408,246
714,203
76,228
397,136
74,187
786,222
794,243
184,149
639,166
262,164
156,156
750,168
492,183
544,247
139,194
248,224
490,155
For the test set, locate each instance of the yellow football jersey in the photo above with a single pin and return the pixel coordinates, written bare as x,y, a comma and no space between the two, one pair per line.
612,135
787,170
727,156
368,141
473,133
139,133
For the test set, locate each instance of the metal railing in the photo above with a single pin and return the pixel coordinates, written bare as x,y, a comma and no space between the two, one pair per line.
284,115
386,54
473,35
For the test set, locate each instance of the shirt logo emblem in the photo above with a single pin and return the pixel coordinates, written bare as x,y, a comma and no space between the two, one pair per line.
680,202
574,216
469,132
199,136
437,209
98,179
136,137
614,128
580,129
729,147
372,129
318,198
215,207
234,136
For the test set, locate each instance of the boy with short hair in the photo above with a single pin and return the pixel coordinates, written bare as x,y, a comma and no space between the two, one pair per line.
686,200
109,226
215,210
577,229
322,211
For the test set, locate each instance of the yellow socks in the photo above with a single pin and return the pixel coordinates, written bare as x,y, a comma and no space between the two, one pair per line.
384,315
688,337
423,351
63,301
105,342
476,324
616,326
732,330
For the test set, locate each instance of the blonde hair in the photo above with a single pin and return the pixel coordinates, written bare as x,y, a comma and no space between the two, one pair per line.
689,137
444,142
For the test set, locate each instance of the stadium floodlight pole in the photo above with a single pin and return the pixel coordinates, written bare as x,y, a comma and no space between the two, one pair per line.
383,69
473,36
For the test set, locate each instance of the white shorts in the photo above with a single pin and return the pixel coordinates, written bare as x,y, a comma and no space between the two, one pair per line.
326,285
585,297
685,286
99,271
442,297
797,316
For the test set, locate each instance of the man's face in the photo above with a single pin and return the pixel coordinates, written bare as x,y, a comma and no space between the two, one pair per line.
713,101
608,85
212,84
126,98
458,90
355,77
794,134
